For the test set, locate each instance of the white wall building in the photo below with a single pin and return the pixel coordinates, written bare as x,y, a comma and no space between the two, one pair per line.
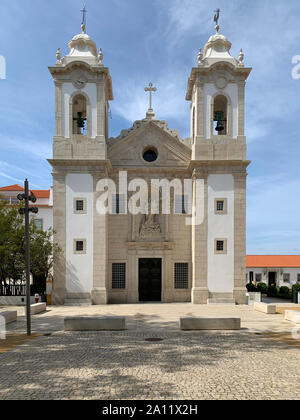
279,270
44,218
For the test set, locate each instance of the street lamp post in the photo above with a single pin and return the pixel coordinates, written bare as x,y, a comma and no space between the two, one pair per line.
25,211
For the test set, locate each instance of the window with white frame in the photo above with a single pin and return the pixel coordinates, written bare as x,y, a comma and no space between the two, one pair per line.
181,275
286,277
298,278
118,204
38,223
258,277
118,276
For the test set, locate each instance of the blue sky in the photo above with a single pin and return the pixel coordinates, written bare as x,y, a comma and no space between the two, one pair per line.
158,40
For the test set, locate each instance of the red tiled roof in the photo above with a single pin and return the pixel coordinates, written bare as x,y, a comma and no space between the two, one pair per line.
15,187
273,261
41,193
37,193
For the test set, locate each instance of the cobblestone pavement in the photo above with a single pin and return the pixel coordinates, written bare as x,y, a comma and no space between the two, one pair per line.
122,365
125,366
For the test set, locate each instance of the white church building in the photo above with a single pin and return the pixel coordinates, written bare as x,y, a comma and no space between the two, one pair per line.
123,256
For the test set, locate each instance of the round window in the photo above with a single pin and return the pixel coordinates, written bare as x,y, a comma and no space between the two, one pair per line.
150,155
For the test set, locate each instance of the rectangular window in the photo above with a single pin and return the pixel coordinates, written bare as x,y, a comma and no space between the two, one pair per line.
181,204
258,278
286,277
118,204
80,206
221,206
220,246
119,276
298,278
38,223
181,276
79,246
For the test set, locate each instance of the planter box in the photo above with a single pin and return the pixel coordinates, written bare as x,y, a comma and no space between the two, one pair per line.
253,297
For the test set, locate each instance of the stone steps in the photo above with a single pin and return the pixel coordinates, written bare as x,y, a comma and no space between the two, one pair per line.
221,301
78,302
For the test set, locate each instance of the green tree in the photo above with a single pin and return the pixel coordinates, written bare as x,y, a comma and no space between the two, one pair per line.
12,248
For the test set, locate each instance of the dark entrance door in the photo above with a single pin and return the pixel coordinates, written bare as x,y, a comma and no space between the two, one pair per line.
272,279
150,279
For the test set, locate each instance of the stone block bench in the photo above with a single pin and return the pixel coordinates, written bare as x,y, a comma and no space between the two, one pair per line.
266,308
95,323
210,323
36,308
9,316
293,316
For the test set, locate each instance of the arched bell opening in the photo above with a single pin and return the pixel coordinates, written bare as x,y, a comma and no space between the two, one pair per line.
79,115
220,111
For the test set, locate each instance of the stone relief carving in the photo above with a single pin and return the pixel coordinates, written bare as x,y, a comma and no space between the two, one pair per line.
140,123
150,228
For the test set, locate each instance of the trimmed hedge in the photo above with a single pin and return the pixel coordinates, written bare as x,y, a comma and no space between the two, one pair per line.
262,287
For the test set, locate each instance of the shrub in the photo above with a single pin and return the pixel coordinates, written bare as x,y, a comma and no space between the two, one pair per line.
262,287
272,291
251,288
296,287
284,290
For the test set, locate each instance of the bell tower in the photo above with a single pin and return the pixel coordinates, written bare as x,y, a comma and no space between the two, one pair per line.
83,89
216,91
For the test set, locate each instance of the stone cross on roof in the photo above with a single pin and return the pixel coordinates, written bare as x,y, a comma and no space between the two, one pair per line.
83,23
150,89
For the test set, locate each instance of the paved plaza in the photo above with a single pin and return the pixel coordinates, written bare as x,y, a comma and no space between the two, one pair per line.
244,364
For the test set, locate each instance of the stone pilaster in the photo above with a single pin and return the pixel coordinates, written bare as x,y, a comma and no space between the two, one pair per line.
200,109
101,110
132,273
239,291
99,293
200,292
59,226
167,277
241,108
58,109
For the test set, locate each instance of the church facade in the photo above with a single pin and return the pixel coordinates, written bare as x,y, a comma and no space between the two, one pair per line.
126,255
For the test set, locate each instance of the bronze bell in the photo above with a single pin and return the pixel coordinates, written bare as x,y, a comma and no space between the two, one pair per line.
219,126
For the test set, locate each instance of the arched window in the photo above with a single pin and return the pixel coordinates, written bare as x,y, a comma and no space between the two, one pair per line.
220,115
79,112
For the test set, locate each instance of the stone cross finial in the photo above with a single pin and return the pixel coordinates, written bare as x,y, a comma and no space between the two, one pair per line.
150,89
216,19
83,23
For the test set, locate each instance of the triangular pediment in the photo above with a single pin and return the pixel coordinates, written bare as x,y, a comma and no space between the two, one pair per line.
128,150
